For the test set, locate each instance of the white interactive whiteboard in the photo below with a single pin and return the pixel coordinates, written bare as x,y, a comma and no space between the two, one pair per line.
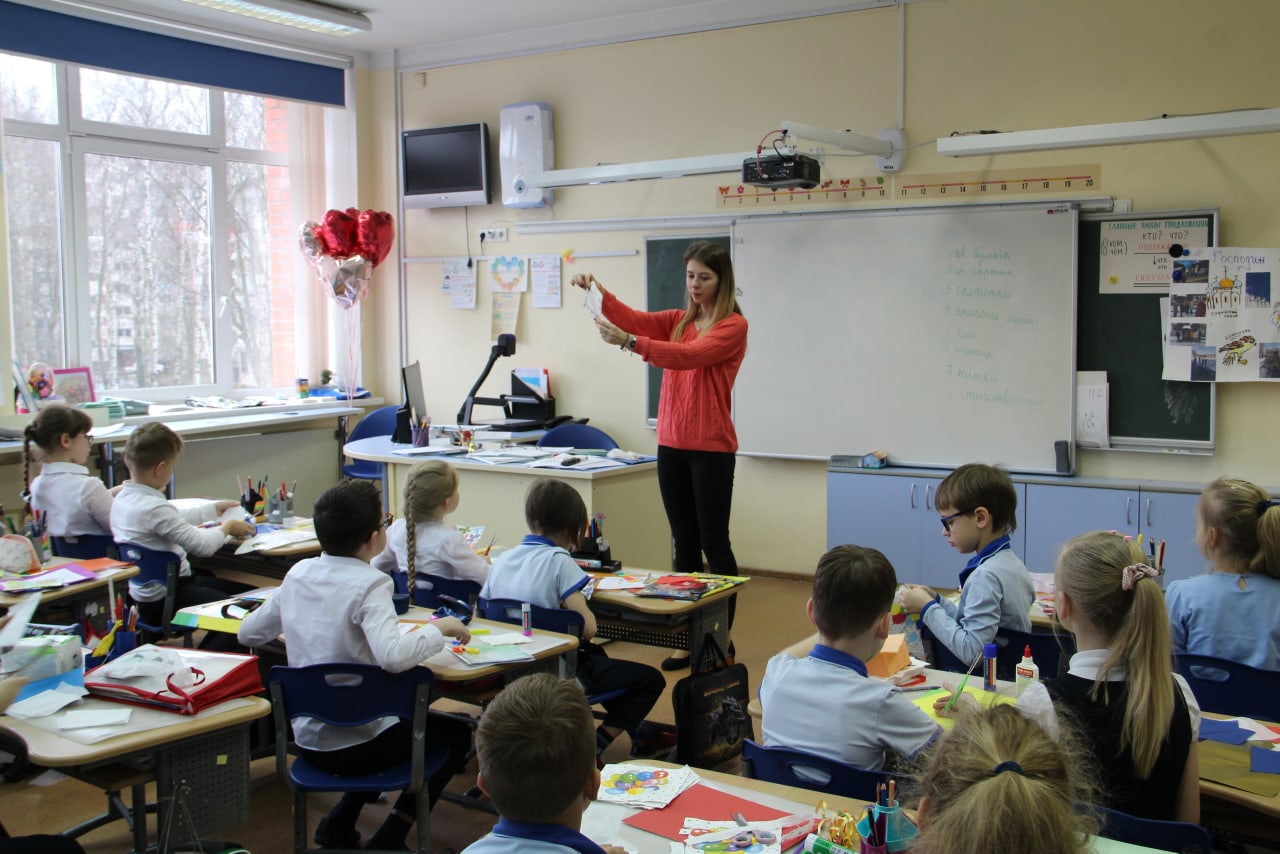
940,335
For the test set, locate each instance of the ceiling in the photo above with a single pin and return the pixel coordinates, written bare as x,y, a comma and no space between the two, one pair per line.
427,33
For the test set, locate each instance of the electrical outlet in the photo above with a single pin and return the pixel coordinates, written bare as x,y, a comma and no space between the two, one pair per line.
493,235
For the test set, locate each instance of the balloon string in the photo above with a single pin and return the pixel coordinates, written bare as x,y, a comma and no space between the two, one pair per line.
354,317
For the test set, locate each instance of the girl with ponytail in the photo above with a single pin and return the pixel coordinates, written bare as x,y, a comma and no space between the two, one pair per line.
72,501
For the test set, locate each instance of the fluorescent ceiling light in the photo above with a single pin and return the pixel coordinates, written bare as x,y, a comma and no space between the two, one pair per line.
303,14
1120,133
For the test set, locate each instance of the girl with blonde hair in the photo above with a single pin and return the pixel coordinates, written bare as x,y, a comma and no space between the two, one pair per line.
1231,612
421,544
1139,717
997,780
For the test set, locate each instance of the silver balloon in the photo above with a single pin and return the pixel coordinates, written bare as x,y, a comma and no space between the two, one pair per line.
350,281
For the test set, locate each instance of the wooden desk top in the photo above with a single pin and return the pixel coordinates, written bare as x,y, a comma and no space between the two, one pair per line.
55,751
105,577
626,600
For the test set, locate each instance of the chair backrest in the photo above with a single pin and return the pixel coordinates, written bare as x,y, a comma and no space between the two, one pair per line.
1047,649
806,771
462,589
1230,688
349,694
561,620
82,545
577,436
1151,833
379,422
153,564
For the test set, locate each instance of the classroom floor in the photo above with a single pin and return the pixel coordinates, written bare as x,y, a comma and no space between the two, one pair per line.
770,616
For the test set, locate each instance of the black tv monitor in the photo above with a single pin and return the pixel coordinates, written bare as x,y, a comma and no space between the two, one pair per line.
446,167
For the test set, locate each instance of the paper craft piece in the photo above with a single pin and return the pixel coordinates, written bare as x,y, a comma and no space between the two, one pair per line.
59,576
924,701
506,314
623,582
757,837
482,656
278,538
544,270
643,787
458,279
19,616
595,300
1227,732
1258,731
699,800
892,657
1229,764
1092,401
1264,760
98,564
1224,316
94,717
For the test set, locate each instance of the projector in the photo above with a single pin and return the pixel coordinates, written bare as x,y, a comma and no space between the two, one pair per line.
776,170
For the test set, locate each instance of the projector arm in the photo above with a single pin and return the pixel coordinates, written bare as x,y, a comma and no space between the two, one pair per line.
889,148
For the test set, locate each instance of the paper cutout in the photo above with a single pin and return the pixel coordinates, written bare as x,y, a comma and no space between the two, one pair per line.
1264,760
1227,732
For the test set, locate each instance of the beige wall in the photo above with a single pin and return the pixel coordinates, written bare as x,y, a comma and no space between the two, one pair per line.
1004,64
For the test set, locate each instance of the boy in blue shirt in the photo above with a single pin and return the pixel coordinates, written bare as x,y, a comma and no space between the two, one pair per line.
541,571
979,509
537,765
825,704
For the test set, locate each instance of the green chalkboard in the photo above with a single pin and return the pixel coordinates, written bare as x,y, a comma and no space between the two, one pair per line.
1121,334
664,288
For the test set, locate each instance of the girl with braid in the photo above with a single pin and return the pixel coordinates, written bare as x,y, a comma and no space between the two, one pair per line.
421,544
72,501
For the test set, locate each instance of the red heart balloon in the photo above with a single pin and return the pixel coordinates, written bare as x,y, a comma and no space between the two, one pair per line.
375,232
337,233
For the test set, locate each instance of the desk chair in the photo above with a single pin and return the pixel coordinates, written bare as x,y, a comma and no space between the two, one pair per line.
1047,648
350,695
806,771
379,422
459,588
577,436
1230,688
563,620
1152,833
83,546
161,566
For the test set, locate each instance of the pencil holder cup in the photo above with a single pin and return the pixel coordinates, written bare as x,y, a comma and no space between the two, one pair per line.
125,642
401,603
899,831
278,508
416,437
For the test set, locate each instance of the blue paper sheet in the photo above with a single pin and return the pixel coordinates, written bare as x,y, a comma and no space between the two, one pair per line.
1228,732
1264,760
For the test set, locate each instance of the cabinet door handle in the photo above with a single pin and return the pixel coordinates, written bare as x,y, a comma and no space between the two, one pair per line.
1128,506
913,496
928,495
1148,522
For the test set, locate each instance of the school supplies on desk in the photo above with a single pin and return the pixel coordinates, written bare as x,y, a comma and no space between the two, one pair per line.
482,655
692,586
699,800
924,700
59,576
642,786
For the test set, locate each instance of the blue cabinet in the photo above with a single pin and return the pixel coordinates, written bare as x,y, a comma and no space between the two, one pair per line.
897,515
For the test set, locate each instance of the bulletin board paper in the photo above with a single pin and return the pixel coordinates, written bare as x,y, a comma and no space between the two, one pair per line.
1134,254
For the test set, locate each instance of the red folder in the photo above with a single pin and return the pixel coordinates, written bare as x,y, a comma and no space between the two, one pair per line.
699,801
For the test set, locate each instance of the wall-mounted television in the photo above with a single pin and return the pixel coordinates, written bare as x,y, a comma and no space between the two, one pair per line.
446,167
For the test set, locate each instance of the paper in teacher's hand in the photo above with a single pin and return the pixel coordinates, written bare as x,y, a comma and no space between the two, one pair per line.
1264,760
1227,732
594,300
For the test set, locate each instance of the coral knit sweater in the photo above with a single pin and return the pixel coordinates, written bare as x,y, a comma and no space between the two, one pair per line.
698,372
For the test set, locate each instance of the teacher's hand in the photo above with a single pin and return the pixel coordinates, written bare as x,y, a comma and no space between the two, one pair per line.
585,281
611,334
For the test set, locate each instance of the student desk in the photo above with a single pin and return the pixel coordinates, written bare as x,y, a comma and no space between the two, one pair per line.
668,623
253,568
493,496
209,751
105,578
1267,807
602,822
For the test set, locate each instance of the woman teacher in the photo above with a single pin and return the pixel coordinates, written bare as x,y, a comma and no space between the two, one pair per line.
700,349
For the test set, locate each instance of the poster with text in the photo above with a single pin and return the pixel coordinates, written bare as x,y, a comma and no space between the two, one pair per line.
1133,255
506,314
1223,323
458,279
544,270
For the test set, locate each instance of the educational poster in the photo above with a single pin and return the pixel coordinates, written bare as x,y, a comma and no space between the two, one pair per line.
506,313
544,270
1134,254
508,274
1223,323
458,279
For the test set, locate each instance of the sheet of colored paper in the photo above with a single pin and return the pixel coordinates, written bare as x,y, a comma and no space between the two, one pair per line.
699,801
1227,732
925,699
1264,760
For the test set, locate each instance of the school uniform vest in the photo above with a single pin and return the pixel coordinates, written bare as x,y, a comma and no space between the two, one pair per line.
1101,723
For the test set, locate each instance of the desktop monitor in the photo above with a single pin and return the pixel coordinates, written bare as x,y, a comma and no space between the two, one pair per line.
411,375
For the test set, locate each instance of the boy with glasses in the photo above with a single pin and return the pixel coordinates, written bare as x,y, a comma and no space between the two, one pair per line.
336,608
979,509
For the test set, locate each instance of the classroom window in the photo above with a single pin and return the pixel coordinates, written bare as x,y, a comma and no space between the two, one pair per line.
153,229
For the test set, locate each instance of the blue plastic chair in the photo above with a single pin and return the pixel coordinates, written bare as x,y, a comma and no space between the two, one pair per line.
806,771
379,422
1152,833
83,546
1047,648
429,597
1230,688
161,566
347,695
577,436
562,620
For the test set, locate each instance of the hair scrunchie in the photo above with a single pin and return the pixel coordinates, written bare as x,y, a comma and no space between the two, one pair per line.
1007,765
1135,573
1265,504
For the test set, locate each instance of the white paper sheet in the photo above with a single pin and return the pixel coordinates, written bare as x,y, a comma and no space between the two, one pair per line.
94,717
47,702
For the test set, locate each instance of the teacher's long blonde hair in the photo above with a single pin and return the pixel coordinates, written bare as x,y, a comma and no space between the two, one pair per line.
717,259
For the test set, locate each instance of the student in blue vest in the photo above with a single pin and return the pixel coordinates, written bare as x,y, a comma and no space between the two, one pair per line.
979,509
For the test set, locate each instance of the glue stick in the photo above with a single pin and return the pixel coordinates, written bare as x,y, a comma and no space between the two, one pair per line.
989,667
526,619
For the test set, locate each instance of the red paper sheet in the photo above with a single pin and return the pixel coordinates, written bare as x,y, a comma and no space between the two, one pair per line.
699,801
